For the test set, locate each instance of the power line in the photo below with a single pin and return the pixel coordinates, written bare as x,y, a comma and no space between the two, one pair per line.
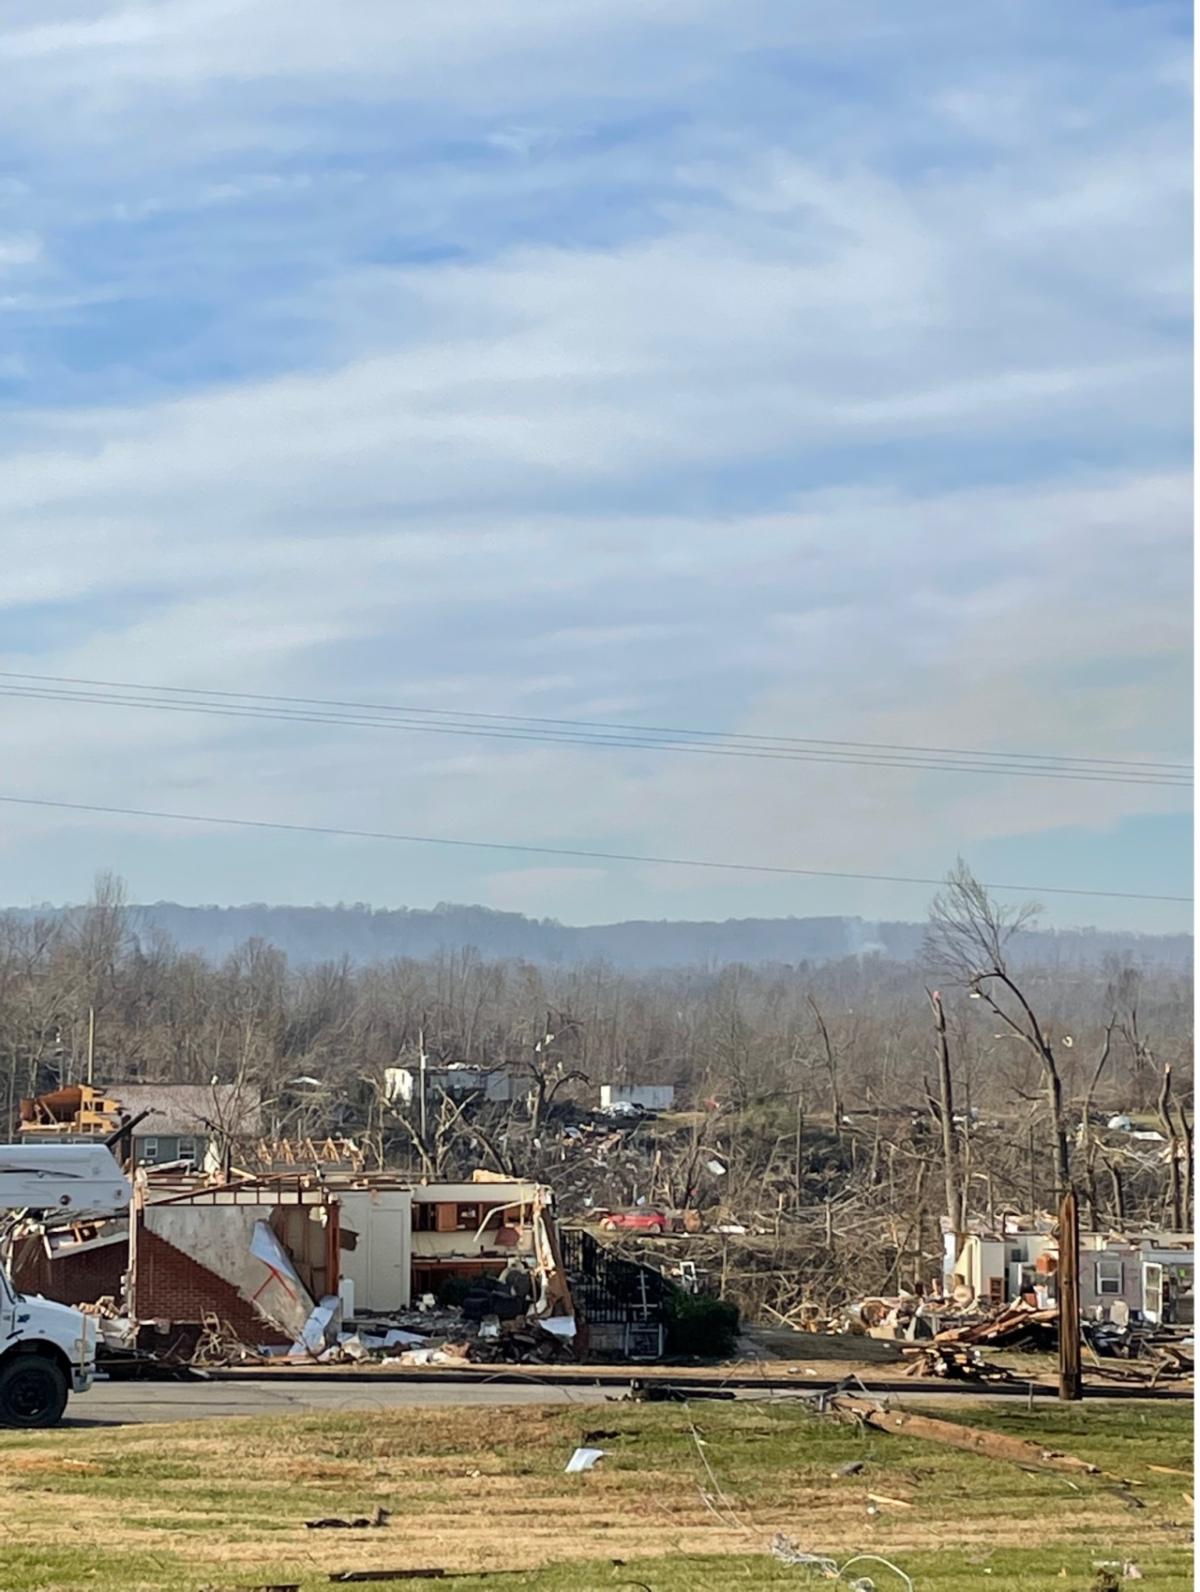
555,851
593,724
249,705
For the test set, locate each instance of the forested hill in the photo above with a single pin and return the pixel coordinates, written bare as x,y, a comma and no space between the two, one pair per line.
364,934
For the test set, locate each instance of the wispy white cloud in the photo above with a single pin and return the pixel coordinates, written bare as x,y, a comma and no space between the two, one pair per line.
645,373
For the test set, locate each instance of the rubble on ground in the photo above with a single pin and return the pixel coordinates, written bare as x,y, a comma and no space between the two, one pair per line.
953,1363
1015,1326
491,1327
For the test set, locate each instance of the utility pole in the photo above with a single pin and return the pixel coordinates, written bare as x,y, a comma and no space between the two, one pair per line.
955,1183
1070,1374
421,1047
91,1051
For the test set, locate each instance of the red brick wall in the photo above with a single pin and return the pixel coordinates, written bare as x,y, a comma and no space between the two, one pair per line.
171,1285
72,1279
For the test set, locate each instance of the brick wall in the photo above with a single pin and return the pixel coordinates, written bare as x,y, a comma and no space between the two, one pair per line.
72,1279
171,1285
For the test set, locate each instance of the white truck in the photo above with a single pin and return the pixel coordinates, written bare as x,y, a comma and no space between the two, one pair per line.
48,1350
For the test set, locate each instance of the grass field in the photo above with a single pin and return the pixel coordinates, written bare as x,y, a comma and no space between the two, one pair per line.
687,1500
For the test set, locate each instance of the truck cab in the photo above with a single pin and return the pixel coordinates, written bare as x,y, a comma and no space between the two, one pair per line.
48,1350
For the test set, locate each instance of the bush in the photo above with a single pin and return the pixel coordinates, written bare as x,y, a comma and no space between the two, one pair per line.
699,1324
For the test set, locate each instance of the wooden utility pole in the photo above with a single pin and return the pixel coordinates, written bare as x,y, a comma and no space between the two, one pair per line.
1070,1374
91,1050
421,1068
955,1190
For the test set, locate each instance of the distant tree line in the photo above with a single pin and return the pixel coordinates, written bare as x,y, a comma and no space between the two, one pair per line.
866,1093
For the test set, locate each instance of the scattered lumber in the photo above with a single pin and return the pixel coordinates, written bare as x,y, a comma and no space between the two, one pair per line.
1013,1325
953,1362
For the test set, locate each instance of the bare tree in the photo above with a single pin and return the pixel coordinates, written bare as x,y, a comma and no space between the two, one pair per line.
547,1070
831,1065
969,934
1087,1138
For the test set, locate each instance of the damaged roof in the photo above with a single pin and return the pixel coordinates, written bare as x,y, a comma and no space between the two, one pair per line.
186,1108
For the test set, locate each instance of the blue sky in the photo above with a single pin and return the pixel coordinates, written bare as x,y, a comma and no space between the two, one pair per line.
806,370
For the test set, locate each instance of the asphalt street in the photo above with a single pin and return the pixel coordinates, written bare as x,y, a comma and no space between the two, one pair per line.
125,1403
122,1403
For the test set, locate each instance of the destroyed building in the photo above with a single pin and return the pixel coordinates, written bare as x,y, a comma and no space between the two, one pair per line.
456,1081
258,1255
168,1123
1146,1275
645,1096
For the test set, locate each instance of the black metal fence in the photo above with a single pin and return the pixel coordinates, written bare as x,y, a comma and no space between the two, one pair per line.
606,1288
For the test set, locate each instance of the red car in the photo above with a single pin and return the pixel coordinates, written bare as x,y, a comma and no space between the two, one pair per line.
639,1221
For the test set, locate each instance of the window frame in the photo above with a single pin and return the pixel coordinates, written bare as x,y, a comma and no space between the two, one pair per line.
1110,1287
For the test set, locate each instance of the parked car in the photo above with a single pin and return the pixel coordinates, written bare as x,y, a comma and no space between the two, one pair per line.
646,1220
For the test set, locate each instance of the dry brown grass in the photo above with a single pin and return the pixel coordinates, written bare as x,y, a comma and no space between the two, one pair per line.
481,1489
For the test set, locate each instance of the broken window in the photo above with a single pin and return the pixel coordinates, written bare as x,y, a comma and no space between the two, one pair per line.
1110,1275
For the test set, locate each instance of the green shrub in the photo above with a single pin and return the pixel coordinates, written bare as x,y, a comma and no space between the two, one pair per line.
699,1324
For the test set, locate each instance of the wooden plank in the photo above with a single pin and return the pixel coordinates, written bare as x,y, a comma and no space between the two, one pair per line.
388,1575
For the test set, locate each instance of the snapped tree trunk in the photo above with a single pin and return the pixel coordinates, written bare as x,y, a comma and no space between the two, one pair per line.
1167,1119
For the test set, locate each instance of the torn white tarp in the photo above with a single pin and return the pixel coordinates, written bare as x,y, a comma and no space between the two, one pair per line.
282,1298
584,1459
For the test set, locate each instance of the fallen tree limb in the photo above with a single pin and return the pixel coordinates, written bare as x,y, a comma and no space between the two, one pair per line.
992,1445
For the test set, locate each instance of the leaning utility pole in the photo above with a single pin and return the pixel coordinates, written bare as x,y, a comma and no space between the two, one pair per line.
1070,1374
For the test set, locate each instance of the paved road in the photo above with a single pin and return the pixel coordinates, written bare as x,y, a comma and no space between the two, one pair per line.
123,1403
119,1403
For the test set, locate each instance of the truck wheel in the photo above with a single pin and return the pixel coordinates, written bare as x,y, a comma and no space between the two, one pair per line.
33,1392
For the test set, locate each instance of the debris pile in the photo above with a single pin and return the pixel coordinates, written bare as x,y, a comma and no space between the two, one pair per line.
1149,1355
953,1362
1014,1326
